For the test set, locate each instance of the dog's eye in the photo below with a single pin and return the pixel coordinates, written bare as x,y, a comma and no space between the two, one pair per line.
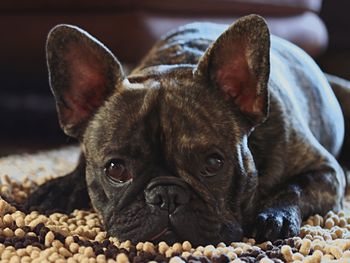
213,163
116,170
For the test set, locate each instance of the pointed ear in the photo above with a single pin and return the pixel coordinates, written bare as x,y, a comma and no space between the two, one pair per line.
82,74
238,64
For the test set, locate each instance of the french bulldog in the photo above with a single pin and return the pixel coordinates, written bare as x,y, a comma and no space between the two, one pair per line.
220,132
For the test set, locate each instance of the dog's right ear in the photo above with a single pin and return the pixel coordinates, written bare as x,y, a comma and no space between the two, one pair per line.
82,72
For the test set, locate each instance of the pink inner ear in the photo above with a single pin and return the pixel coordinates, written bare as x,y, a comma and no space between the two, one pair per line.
87,84
239,84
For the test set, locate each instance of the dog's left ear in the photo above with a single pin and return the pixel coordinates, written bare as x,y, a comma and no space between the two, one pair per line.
238,63
83,73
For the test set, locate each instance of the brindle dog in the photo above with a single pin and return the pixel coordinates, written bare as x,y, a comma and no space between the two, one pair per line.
219,132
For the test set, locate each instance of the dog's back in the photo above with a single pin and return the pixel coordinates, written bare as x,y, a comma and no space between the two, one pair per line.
308,98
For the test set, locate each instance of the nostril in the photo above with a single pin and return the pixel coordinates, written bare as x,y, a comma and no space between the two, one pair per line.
161,201
164,205
157,197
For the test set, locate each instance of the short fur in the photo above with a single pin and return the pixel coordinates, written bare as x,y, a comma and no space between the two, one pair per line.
255,100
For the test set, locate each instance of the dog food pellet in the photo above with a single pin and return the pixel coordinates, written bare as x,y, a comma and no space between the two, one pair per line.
80,237
177,248
176,260
89,252
7,232
7,220
169,252
74,247
287,253
305,247
148,247
49,238
209,250
336,252
122,258
266,260
329,223
162,247
19,232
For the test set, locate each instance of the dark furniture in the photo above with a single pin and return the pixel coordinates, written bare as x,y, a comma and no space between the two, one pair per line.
129,28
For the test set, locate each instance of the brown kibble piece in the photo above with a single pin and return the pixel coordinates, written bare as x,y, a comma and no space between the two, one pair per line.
74,247
186,246
336,252
169,252
305,247
287,253
298,256
139,246
7,220
19,232
7,232
88,251
64,252
329,223
177,247
20,221
162,247
208,251
49,238
69,240
122,258
101,258
148,247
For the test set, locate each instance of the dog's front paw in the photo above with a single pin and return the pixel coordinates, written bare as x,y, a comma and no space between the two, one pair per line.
58,195
277,222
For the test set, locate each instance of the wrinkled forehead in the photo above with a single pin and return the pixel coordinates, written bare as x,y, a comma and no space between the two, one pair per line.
164,103
165,76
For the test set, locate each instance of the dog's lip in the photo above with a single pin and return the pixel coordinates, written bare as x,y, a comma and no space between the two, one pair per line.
160,234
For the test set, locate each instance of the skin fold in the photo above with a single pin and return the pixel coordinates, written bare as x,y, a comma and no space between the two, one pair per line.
219,132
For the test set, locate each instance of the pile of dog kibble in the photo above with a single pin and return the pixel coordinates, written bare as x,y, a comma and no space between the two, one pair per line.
79,236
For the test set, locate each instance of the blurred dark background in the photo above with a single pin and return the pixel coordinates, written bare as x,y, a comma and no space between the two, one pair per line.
129,28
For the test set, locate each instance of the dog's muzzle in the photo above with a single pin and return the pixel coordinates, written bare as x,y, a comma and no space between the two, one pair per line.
167,193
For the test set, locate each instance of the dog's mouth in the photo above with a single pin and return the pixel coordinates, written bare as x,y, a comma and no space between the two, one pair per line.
167,234
159,234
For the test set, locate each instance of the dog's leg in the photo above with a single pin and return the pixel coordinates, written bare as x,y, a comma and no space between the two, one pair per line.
312,192
62,194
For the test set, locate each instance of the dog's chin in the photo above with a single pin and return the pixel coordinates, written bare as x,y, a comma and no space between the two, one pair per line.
182,225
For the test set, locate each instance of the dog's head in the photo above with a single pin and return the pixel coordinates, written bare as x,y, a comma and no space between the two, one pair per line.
166,148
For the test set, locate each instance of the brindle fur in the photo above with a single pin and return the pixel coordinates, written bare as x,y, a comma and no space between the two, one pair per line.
164,118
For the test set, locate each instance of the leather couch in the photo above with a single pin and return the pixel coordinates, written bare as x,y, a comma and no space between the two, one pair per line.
129,28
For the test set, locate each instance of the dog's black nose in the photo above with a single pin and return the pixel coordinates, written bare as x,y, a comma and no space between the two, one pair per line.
167,192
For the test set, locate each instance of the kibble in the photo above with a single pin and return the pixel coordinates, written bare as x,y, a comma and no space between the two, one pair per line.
122,258
19,232
49,238
169,252
177,248
80,237
148,247
7,232
287,253
305,247
162,247
176,260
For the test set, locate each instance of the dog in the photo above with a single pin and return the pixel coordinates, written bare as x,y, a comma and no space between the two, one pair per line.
219,132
